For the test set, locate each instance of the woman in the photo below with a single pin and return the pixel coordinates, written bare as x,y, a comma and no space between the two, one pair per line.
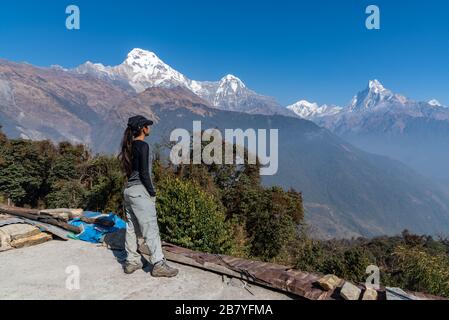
140,199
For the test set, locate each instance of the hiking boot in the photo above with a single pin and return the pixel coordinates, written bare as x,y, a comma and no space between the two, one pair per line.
131,268
162,269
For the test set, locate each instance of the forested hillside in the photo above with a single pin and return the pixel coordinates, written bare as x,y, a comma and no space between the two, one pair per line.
218,209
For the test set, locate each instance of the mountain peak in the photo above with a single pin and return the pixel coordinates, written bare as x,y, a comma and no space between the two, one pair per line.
232,82
311,110
374,95
435,103
306,103
376,86
143,69
141,52
142,58
232,78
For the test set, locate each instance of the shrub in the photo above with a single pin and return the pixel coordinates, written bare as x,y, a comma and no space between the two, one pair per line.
309,255
333,257
270,233
420,271
191,218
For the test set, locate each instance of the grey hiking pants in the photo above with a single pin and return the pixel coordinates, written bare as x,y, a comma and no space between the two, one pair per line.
140,209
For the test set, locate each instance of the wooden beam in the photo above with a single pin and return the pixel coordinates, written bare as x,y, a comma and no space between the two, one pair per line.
61,224
33,214
21,212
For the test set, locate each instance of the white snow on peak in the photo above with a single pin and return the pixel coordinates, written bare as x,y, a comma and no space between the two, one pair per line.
231,81
311,110
374,99
97,69
137,52
143,58
375,95
231,77
435,103
376,86
307,104
143,69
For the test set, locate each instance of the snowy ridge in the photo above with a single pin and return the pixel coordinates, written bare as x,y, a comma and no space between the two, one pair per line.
375,97
143,69
435,103
308,110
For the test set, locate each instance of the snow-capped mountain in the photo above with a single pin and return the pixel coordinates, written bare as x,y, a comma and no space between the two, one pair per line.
374,108
143,69
375,98
375,95
435,103
311,111
380,121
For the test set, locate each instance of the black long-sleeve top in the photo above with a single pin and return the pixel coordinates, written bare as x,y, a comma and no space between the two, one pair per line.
141,166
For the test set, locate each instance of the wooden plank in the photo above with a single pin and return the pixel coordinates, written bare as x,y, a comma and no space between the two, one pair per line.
61,224
33,214
8,209
14,211
213,267
206,266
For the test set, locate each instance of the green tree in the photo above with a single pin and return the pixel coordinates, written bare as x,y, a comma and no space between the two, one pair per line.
104,183
66,194
191,218
24,167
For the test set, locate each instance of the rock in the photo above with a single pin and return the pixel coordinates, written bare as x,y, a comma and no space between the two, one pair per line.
329,282
20,231
5,241
370,294
350,291
31,241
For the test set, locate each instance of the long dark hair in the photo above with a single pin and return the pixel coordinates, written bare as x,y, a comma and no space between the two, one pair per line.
126,153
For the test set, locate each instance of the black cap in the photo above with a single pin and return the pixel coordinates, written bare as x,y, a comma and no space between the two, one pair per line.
138,122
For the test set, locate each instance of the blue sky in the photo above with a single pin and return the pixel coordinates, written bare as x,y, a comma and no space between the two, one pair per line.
316,50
